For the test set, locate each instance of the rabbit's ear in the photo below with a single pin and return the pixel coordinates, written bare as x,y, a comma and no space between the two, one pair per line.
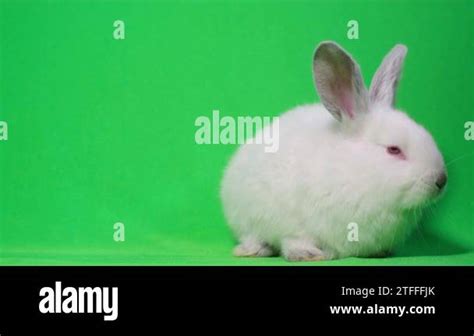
339,81
384,83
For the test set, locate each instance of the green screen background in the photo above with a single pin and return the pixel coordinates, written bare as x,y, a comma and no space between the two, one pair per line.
102,130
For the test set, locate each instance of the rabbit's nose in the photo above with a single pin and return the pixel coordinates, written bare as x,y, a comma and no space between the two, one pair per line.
441,181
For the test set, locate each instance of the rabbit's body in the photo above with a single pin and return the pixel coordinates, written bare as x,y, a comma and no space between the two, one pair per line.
296,192
337,187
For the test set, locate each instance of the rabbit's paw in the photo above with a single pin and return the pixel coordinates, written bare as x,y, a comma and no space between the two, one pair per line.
301,250
253,248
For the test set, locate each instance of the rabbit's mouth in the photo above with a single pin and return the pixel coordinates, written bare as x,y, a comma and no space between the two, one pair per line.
432,191
426,192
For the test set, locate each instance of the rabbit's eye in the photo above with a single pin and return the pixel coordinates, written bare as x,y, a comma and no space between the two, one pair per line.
394,150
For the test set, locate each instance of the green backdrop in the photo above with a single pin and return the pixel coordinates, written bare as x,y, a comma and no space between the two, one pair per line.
102,130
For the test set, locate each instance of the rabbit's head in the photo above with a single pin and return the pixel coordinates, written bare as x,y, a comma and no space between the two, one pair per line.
400,157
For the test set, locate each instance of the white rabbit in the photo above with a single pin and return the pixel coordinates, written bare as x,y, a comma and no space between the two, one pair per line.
368,164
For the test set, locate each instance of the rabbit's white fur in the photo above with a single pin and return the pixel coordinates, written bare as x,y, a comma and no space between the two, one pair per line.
330,172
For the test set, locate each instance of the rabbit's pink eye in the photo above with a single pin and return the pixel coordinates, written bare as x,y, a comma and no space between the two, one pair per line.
394,150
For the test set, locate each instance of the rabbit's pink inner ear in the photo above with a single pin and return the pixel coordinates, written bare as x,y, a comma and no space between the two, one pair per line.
343,97
347,104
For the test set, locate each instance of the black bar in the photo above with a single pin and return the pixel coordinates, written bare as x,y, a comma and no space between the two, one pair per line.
202,298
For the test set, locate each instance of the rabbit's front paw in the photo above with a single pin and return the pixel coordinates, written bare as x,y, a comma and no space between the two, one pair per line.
301,250
253,248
